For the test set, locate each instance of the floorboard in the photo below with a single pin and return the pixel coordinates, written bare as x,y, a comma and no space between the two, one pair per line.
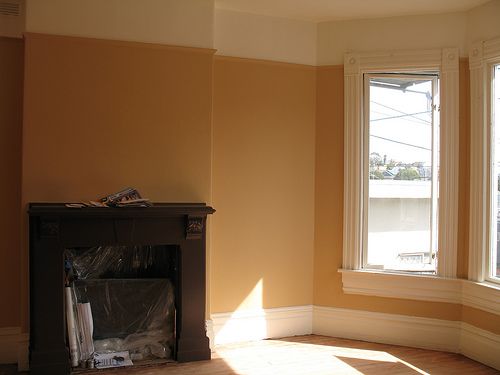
312,355
318,355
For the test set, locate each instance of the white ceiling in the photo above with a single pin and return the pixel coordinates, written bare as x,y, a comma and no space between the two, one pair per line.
334,10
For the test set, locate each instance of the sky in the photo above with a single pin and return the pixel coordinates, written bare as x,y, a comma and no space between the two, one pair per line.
402,137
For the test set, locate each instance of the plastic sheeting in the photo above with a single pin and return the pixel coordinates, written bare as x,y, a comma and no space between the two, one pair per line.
123,262
131,299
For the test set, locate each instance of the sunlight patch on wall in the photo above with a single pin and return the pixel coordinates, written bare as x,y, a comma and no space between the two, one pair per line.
246,323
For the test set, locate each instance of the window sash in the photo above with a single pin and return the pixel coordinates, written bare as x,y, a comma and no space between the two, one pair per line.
434,209
493,171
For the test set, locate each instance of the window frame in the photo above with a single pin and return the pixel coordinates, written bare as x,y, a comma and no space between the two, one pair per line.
446,63
434,76
482,57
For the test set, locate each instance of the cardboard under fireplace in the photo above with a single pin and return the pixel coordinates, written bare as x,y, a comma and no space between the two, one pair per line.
173,232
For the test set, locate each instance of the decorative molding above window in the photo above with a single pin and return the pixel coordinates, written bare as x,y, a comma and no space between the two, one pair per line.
445,62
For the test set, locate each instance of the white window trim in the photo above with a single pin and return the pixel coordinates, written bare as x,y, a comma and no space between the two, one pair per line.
483,296
482,54
446,62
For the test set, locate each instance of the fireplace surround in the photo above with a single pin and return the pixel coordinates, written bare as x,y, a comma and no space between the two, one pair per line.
53,228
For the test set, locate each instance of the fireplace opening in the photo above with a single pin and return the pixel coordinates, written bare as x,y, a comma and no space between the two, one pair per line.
121,303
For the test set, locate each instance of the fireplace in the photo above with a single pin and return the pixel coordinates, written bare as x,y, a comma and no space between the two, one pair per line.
178,229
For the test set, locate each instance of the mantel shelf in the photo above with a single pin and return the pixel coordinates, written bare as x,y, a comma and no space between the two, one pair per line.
157,210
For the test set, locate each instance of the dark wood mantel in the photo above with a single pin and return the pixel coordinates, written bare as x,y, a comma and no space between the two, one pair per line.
54,227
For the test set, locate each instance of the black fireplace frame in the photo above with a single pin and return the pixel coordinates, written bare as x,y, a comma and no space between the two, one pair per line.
54,227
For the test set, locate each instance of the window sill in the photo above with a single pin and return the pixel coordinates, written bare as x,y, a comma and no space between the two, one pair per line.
484,296
395,285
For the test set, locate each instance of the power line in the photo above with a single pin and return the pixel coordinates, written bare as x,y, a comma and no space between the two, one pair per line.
412,120
399,116
402,143
398,111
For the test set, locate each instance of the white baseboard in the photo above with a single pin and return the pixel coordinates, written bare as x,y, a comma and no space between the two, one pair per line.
209,326
480,345
260,324
14,347
427,333
451,336
387,328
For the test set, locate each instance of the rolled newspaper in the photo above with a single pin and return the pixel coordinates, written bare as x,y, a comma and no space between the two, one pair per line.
70,320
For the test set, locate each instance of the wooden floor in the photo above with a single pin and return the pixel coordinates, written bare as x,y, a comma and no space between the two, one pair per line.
313,355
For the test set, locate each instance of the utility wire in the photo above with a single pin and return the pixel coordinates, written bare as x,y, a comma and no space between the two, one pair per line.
412,120
403,113
402,143
399,116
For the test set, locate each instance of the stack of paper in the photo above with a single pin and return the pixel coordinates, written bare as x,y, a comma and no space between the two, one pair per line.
115,359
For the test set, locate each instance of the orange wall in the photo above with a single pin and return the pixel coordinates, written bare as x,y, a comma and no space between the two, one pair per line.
264,121
102,115
481,319
11,98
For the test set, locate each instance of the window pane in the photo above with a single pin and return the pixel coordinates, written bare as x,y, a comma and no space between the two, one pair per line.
495,252
402,188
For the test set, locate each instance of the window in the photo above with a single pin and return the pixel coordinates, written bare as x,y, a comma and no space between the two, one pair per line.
493,265
400,166
484,255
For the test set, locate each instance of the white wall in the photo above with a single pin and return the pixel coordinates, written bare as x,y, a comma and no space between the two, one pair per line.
196,23
409,32
253,36
174,22
483,22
